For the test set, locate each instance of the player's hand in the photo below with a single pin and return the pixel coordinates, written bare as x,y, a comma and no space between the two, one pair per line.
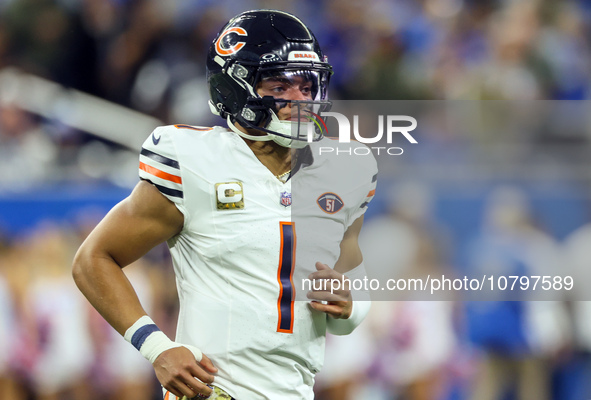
337,295
179,372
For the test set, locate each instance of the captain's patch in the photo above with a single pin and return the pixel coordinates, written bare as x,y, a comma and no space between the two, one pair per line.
229,196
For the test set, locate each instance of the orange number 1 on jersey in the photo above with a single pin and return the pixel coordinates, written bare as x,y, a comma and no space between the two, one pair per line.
285,277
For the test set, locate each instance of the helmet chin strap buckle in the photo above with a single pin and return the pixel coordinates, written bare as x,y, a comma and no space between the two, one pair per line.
248,114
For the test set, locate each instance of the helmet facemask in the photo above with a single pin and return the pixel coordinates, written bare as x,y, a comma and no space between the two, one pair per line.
289,123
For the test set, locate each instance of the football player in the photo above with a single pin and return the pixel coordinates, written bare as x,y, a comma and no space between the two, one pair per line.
222,199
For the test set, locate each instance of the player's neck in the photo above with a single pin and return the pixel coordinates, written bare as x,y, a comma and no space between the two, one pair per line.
273,156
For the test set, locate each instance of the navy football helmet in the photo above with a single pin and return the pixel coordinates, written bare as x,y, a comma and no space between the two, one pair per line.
267,44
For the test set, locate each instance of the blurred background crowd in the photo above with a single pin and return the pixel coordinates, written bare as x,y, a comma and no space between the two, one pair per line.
82,82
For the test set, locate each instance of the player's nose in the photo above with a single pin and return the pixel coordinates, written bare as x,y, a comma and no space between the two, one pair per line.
297,94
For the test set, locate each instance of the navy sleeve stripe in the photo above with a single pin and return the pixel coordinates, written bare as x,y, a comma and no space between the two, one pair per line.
161,159
364,204
165,190
169,191
140,336
374,178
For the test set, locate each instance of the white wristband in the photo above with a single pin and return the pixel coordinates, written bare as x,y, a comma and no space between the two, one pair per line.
361,306
346,326
145,336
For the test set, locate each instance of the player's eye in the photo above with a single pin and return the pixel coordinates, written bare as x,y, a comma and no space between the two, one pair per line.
306,89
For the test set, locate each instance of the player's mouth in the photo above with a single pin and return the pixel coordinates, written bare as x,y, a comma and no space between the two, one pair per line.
296,119
301,117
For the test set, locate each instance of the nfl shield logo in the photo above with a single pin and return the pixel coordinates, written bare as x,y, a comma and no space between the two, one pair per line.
285,199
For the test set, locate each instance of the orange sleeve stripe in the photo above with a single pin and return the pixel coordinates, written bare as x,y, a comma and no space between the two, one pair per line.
167,397
371,193
182,126
160,174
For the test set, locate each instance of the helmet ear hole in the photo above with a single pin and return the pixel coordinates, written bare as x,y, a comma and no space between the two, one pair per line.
226,93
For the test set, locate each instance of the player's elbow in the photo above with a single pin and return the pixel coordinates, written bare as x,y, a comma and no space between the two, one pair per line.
79,268
82,267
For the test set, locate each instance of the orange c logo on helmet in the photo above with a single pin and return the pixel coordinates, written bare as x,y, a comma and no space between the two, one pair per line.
232,49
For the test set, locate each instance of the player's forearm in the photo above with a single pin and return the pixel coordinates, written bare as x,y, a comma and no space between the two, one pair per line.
107,288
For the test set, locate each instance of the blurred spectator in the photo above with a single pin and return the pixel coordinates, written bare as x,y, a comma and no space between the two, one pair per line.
59,317
52,344
346,360
577,264
519,340
8,385
119,372
27,154
45,38
414,338
141,53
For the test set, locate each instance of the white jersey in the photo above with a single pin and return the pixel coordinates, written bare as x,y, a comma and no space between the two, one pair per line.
241,255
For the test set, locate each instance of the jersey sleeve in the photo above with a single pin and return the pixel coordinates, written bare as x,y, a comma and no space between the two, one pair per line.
159,165
369,177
